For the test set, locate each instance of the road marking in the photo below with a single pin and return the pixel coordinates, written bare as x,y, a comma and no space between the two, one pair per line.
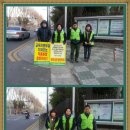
33,125
12,55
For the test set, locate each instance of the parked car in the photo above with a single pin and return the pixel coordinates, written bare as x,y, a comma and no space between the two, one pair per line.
17,32
37,114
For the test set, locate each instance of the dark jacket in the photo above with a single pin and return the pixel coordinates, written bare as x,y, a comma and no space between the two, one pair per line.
58,39
79,123
67,125
74,41
44,33
48,120
86,39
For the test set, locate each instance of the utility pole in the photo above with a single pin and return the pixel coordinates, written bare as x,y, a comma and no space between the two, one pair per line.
73,101
47,102
48,15
65,19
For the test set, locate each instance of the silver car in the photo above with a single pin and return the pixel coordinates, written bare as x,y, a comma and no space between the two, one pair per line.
17,32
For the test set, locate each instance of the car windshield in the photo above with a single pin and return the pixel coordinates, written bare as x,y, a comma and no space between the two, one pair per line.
13,28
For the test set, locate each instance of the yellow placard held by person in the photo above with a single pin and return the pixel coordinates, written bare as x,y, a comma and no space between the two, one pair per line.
42,53
58,54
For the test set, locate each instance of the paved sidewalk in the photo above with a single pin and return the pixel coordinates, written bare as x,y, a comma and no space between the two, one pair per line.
100,70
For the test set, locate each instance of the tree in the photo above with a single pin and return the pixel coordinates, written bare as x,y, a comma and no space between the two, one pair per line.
24,16
23,21
59,95
58,13
118,10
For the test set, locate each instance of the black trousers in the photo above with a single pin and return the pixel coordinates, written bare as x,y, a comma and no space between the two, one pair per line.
87,51
75,49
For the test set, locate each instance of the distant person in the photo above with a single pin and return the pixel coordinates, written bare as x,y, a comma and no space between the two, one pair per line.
67,121
86,120
88,41
59,36
75,37
52,122
27,114
44,33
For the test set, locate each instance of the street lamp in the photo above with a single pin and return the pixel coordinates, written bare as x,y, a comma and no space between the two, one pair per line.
66,19
73,100
47,108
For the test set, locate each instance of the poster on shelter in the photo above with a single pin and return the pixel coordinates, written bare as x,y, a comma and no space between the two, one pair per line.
82,25
118,112
103,27
105,111
95,110
116,27
42,53
58,54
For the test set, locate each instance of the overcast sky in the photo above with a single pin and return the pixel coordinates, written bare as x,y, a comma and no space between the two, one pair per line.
42,10
40,93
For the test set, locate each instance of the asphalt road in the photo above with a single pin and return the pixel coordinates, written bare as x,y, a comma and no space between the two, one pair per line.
19,122
22,72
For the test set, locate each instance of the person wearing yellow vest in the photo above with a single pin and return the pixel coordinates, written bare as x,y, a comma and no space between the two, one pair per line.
75,37
67,121
59,36
86,120
52,122
88,41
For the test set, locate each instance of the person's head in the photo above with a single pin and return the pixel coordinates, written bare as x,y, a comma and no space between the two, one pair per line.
88,28
59,27
53,113
87,109
68,111
75,25
44,24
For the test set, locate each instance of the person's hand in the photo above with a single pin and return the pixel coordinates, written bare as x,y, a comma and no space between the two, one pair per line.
49,129
86,43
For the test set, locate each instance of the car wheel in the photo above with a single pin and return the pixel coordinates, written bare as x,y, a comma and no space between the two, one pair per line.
7,39
22,38
29,35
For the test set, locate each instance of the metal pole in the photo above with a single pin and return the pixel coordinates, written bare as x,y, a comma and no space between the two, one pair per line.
66,19
73,101
48,15
47,101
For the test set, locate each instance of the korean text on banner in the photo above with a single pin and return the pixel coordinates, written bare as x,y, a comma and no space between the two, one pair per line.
58,54
42,53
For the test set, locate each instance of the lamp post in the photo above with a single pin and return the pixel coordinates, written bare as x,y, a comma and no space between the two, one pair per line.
73,100
65,19
47,108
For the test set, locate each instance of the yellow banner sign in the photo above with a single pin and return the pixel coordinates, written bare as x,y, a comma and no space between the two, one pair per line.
58,54
47,53
42,52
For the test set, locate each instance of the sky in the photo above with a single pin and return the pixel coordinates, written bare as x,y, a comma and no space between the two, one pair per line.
40,93
42,10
